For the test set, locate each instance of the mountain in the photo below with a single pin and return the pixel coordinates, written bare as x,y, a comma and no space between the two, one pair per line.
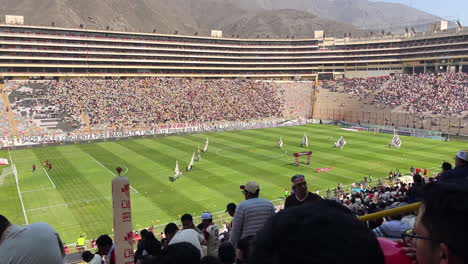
361,13
246,18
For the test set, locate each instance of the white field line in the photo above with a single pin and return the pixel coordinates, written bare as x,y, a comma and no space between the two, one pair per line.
49,178
108,170
38,190
15,173
68,204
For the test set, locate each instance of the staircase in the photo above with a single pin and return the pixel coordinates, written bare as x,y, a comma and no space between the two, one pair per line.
11,116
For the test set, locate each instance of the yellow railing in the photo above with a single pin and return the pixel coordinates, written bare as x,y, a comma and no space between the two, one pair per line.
395,211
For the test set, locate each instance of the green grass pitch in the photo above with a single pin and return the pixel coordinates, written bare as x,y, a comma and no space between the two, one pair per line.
82,173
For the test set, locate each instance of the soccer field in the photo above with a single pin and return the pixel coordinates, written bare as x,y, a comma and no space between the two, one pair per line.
75,196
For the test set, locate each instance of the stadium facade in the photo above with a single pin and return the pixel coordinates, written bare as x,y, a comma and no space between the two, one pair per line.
51,52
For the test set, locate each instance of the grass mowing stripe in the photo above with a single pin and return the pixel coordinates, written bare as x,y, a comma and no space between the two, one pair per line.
145,181
152,153
64,172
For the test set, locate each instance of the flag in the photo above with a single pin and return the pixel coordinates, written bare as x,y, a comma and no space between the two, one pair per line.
177,171
199,154
324,169
396,142
280,143
3,162
205,148
340,143
305,141
189,167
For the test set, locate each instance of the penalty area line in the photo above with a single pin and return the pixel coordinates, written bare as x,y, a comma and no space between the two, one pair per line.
69,204
49,178
38,190
97,161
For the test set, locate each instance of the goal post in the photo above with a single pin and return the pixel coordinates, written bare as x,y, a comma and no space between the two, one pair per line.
299,154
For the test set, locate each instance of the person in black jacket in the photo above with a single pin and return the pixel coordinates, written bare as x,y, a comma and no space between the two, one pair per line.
460,173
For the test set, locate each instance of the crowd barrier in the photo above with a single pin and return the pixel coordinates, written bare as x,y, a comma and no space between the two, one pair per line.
395,211
176,129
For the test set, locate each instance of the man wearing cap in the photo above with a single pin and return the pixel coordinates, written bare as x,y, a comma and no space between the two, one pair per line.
301,193
460,172
251,214
211,233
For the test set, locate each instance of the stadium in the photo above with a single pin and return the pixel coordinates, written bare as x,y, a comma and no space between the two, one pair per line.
188,119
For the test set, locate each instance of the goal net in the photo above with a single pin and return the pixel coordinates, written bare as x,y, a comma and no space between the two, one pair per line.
7,171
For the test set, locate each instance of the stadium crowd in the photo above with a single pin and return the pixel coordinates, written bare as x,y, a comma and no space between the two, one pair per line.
443,94
361,87
143,103
310,229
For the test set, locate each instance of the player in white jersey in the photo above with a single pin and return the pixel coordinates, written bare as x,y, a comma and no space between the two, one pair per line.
211,233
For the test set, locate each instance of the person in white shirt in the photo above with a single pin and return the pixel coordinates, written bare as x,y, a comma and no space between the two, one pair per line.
211,233
30,244
188,234
91,258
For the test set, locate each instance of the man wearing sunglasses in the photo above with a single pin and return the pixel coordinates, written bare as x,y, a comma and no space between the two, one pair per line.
301,194
441,233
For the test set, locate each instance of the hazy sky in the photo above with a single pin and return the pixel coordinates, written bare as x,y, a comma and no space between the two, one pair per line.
451,9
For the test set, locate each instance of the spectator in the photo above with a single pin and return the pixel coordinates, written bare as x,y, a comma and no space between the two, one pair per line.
139,251
106,248
150,247
180,253
227,253
226,231
231,209
174,235
187,223
460,172
210,232
91,258
301,193
319,232
244,248
441,235
34,243
393,227
251,214
415,192
210,260
445,168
